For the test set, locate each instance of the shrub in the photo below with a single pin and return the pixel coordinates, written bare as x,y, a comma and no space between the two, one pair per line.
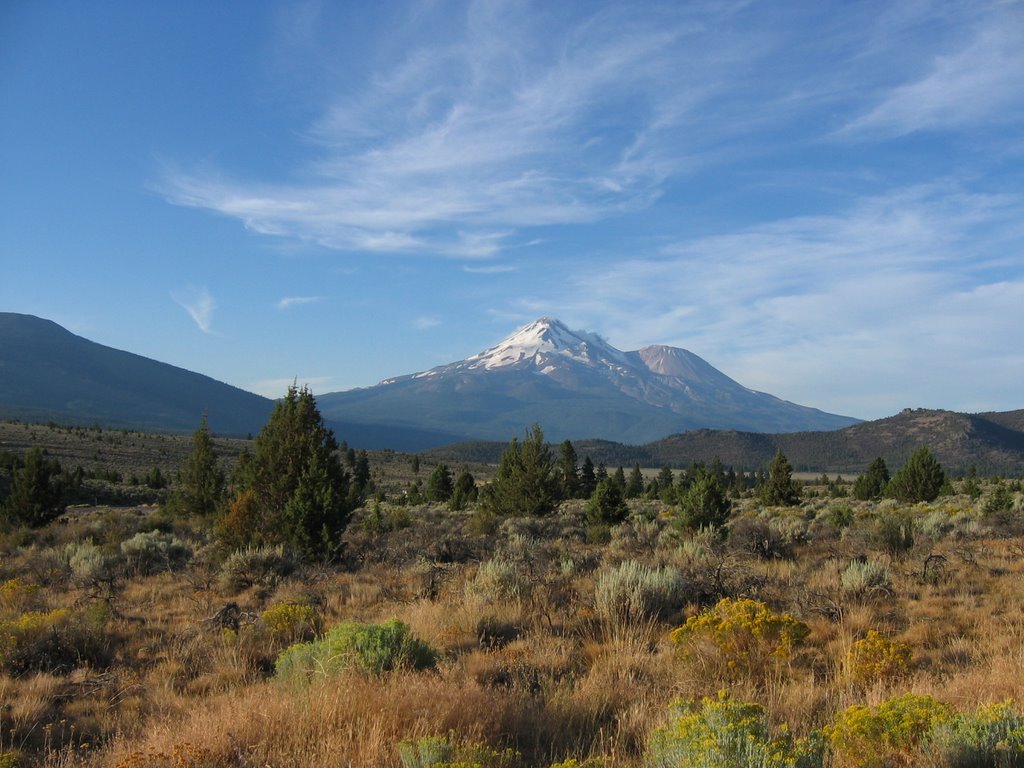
291,622
723,733
991,737
866,579
149,552
886,735
500,579
876,658
894,531
446,752
743,636
635,593
263,566
25,640
93,566
998,508
373,648
17,596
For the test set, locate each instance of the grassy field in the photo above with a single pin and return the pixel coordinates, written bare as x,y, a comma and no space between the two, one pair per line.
125,641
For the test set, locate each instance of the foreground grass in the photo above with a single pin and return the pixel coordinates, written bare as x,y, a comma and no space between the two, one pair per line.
543,645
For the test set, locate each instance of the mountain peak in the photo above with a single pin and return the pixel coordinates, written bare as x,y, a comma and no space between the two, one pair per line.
539,342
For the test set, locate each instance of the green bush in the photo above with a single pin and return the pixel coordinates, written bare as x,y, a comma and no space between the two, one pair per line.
446,752
150,552
373,648
990,737
262,566
723,733
635,593
498,580
866,579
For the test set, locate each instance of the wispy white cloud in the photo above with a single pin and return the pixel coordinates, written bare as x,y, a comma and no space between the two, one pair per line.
200,306
454,146
874,305
489,269
425,322
978,82
292,301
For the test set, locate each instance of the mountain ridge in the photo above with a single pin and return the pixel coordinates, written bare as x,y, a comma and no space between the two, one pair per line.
578,386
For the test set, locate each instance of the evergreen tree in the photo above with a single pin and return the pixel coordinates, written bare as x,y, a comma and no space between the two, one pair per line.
780,489
619,478
635,484
200,488
920,479
871,485
439,484
704,502
526,482
971,485
463,492
608,505
667,485
588,479
37,493
292,488
601,473
568,471
361,484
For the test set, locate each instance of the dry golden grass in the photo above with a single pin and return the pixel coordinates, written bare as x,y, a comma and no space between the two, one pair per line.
539,672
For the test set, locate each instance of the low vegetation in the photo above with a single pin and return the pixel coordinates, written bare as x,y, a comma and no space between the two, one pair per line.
541,612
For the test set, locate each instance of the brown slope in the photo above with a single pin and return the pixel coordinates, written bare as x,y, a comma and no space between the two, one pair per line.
958,440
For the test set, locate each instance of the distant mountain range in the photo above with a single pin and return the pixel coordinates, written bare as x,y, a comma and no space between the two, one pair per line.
658,405
575,385
993,443
48,373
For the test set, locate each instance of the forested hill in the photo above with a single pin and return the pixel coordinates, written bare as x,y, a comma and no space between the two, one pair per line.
991,442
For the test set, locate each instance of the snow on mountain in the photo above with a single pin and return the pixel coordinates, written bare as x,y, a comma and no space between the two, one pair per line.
576,385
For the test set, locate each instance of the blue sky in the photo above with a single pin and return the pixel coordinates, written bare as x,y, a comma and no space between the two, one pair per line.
825,200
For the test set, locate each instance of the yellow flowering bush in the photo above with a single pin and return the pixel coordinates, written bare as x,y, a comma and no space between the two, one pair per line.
723,733
877,658
17,596
740,635
887,735
19,634
291,622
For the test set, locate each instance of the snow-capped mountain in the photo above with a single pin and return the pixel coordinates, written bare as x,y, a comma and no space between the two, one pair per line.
575,385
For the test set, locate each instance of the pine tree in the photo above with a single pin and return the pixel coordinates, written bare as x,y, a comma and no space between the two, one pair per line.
608,505
871,485
439,484
37,493
201,482
780,489
920,479
292,488
635,484
526,482
588,479
569,472
463,492
704,503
